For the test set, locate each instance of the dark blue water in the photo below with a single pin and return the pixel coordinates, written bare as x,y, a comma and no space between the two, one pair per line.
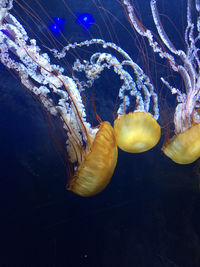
148,216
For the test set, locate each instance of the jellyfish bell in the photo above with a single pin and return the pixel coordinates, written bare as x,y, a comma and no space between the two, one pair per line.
137,132
98,164
184,148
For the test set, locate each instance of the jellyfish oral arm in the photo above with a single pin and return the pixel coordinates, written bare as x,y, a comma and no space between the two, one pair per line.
189,71
131,87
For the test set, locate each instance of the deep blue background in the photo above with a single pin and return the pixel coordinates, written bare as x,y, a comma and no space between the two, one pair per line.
149,213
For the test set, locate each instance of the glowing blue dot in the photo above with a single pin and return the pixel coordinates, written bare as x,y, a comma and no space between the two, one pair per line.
85,20
57,25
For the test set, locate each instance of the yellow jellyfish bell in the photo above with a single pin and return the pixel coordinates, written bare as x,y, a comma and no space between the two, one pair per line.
98,165
136,132
184,148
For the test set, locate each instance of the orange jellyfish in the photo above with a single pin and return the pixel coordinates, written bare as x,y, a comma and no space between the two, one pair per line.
184,146
92,151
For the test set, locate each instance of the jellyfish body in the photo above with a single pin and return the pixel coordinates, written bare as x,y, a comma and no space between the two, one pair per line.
184,148
98,165
136,132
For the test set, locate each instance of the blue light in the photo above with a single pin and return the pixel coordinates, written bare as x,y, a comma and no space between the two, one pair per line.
85,20
57,25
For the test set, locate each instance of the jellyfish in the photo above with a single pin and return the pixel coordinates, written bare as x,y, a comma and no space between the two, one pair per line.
184,146
92,152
